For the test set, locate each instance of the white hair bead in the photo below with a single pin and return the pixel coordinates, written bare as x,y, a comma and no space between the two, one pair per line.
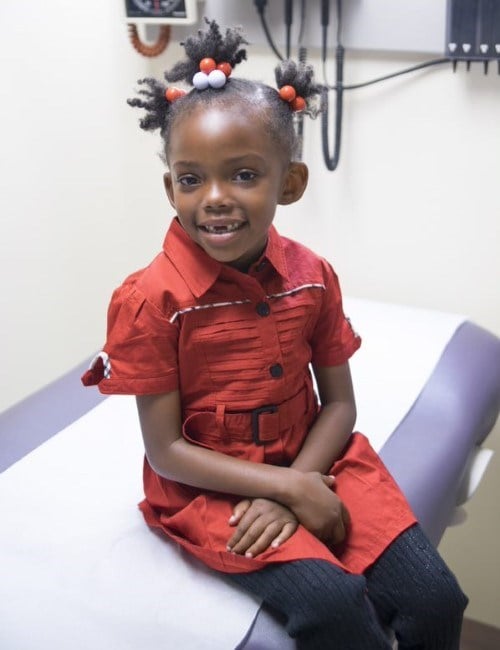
200,81
217,79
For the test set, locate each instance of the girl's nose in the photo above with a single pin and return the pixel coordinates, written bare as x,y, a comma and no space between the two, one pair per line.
216,197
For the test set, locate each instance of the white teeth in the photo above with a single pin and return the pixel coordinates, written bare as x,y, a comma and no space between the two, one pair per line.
222,229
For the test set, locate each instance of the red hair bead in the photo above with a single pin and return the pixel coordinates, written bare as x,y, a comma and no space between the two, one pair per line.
287,93
172,93
225,67
298,104
207,65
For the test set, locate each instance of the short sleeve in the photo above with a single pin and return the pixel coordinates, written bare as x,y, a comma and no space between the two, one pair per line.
140,354
334,340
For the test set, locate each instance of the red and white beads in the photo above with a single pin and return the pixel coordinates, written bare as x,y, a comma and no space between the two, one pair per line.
211,74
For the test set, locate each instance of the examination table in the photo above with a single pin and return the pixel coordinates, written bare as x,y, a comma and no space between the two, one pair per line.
81,570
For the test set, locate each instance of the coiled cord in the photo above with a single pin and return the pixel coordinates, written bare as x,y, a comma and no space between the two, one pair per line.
155,48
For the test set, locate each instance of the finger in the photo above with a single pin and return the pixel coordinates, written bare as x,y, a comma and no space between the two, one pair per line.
264,540
287,531
250,537
238,511
244,525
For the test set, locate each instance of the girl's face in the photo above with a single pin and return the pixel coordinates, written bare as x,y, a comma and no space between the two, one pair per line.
226,178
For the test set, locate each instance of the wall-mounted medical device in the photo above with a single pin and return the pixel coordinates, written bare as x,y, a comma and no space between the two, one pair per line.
473,31
154,18
161,12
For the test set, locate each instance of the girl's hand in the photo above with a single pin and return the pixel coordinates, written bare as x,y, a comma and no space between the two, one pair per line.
319,509
261,524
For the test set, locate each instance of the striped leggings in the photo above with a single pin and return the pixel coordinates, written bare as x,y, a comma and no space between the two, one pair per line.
409,589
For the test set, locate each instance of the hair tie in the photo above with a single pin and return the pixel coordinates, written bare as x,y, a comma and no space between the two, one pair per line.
211,74
289,94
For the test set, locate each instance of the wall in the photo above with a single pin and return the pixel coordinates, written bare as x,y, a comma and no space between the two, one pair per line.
70,153
410,216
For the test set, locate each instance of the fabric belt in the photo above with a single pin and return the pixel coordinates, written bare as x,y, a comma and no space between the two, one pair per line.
262,424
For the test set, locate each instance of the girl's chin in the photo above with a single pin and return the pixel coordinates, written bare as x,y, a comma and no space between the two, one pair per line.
242,262
230,248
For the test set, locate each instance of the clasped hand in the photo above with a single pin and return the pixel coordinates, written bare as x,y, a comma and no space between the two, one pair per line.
260,524
263,523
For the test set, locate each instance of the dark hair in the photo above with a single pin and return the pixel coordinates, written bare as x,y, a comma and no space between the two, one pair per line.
248,96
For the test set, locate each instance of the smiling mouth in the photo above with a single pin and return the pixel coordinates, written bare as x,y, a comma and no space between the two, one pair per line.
221,229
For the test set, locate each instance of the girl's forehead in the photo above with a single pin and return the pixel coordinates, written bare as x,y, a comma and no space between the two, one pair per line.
219,125
234,115
227,121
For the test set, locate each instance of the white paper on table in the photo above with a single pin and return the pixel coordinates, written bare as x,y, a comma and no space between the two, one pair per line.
400,348
80,569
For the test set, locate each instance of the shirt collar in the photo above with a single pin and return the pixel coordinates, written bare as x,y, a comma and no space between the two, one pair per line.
275,253
199,270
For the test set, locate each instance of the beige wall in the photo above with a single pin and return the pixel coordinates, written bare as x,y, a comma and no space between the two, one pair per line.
411,215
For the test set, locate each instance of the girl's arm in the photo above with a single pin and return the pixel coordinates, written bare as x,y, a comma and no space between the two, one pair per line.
175,458
323,445
329,434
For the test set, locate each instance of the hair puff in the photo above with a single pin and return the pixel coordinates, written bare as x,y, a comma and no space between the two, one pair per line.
301,77
155,104
209,43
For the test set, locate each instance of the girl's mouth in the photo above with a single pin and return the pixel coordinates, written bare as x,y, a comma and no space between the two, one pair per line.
222,229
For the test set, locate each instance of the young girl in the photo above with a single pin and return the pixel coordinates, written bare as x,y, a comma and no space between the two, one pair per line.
215,338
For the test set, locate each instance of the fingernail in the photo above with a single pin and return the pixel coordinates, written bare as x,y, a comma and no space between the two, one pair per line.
248,554
232,518
275,544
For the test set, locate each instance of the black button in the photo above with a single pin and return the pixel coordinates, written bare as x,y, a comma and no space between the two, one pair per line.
276,370
263,309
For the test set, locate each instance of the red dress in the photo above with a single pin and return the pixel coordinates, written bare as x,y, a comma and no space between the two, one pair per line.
238,347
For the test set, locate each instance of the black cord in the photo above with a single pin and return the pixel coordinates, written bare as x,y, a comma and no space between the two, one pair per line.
260,6
302,21
419,66
332,162
288,25
302,56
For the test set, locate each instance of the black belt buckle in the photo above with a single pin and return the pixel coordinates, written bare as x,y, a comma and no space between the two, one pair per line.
255,421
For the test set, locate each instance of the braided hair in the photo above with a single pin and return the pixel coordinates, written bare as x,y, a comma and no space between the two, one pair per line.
248,96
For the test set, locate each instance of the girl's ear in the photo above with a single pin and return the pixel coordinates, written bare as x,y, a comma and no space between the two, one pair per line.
294,184
167,182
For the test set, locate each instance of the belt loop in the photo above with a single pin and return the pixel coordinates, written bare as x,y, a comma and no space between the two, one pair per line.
220,412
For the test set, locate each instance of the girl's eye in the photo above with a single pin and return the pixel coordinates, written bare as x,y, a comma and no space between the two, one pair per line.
188,180
245,175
